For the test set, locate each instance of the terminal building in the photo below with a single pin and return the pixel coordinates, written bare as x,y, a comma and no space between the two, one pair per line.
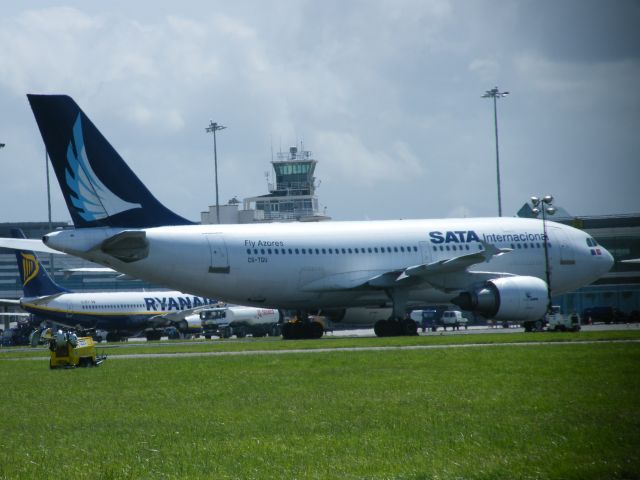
620,288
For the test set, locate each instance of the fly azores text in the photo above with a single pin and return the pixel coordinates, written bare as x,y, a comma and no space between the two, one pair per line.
263,243
257,247
467,236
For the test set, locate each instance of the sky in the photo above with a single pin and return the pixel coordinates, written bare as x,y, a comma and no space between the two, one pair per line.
387,95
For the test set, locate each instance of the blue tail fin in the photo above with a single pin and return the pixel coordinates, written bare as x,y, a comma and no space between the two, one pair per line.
36,281
98,186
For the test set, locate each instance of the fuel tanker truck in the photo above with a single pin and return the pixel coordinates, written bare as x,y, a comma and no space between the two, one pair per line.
239,321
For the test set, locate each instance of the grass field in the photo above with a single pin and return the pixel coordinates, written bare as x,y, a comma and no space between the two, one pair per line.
528,412
270,343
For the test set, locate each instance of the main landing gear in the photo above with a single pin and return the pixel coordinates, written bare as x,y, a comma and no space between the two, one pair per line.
397,325
301,327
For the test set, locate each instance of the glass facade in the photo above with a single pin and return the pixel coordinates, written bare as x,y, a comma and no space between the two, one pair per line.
620,288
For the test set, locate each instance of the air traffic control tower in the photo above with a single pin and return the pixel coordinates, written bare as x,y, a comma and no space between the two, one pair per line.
293,198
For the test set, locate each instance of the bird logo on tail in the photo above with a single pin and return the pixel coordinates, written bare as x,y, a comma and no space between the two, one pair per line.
91,198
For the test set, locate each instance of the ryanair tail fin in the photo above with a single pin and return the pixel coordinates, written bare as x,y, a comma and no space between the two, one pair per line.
35,279
99,187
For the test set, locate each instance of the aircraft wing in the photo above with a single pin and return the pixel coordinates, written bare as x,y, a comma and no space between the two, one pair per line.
175,317
40,300
8,302
27,244
97,271
448,274
631,260
88,271
456,264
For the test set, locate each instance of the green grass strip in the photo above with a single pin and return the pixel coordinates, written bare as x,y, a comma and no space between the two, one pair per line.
568,412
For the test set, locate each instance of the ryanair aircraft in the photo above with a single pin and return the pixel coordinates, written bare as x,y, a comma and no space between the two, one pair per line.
492,266
121,314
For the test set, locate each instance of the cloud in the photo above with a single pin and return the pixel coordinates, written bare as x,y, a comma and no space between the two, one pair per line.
386,94
583,85
346,156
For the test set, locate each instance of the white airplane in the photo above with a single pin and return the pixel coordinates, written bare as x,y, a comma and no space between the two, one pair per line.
492,266
121,314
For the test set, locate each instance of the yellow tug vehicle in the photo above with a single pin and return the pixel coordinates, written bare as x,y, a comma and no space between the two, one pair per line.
69,351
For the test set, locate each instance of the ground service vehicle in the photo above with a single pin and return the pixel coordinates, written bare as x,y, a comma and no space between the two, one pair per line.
67,350
240,321
428,317
453,319
558,322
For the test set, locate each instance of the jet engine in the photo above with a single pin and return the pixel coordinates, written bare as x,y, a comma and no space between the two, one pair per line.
192,323
509,298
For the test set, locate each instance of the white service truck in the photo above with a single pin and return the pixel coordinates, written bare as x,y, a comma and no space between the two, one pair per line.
557,322
240,321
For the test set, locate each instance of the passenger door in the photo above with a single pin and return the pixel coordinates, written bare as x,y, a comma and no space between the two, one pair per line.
219,255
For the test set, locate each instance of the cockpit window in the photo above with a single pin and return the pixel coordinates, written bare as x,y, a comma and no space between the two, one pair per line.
591,242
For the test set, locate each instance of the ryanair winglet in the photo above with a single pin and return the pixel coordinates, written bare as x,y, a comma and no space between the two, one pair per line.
35,279
98,186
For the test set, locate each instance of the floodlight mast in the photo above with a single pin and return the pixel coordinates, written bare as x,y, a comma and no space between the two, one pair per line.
495,94
46,168
213,128
545,206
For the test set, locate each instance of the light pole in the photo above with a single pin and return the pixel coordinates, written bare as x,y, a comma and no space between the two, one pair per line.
213,128
495,94
46,166
545,205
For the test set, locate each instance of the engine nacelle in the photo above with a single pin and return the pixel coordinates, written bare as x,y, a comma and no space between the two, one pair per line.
510,298
191,323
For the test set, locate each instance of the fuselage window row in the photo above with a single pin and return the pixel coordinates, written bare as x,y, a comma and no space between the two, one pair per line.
331,251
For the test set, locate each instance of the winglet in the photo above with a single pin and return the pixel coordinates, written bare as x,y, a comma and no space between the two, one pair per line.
490,250
98,186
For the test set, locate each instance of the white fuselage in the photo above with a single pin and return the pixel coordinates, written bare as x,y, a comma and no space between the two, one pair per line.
321,265
124,311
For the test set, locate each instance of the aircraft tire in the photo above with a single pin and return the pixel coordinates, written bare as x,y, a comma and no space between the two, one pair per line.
315,330
153,335
380,328
409,327
113,337
288,331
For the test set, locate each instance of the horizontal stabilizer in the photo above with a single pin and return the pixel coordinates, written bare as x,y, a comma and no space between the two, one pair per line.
27,244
